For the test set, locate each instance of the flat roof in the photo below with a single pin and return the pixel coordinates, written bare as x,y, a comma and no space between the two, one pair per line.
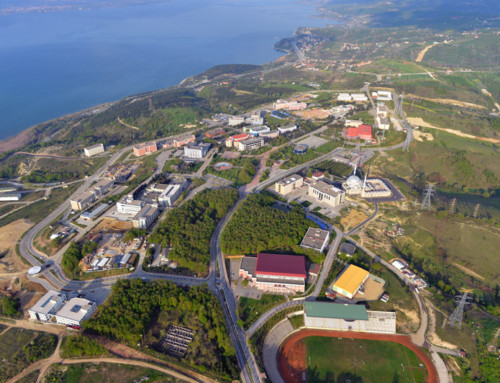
46,303
335,310
351,278
248,264
348,248
281,265
290,179
315,238
94,146
326,188
75,309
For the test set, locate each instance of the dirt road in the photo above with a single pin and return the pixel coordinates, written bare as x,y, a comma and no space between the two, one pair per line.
422,53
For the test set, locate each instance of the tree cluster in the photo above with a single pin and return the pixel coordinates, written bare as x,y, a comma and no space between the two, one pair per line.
189,228
81,346
9,306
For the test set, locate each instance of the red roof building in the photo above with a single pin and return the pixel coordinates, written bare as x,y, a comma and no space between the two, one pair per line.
281,265
352,133
233,140
365,132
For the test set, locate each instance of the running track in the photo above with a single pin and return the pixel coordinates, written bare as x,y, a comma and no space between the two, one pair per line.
289,342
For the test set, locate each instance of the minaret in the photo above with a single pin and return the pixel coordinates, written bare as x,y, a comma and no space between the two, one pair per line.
364,185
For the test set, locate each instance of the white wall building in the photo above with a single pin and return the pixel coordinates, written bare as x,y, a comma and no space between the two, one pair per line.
235,120
127,205
326,193
196,150
46,307
287,129
75,311
10,196
146,216
93,150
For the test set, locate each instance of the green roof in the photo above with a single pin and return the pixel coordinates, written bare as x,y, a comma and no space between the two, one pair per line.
335,310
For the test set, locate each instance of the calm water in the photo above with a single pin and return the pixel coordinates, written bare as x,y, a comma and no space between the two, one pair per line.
52,64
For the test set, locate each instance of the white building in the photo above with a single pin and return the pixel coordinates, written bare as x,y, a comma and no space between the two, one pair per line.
289,105
83,200
250,144
75,311
93,150
348,317
103,186
289,184
235,120
287,129
384,95
10,196
146,216
344,97
326,193
255,119
128,205
47,306
255,131
359,97
315,239
196,150
166,194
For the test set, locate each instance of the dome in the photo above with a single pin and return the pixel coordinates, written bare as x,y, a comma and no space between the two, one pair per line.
354,182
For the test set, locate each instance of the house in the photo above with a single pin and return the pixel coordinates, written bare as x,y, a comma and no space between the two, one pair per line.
46,307
347,248
326,193
289,184
348,317
233,140
127,205
93,150
83,200
183,139
196,150
350,281
146,216
287,129
277,273
215,133
315,239
250,144
289,105
144,149
75,311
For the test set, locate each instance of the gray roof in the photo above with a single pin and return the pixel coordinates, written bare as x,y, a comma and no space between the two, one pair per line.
326,188
335,310
348,248
314,238
248,264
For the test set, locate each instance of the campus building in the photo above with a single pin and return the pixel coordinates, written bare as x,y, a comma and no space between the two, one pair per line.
215,133
289,184
250,144
326,193
256,130
315,239
350,281
83,200
183,139
196,150
128,205
165,194
146,216
75,311
276,273
363,132
287,129
233,140
348,317
235,120
10,196
93,150
289,105
103,186
143,149
47,306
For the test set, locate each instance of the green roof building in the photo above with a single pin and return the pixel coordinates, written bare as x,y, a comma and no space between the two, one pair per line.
335,311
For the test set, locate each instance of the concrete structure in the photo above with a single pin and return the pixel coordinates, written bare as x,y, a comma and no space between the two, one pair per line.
102,187
75,311
94,213
165,194
326,193
277,273
7,188
269,135
383,123
196,150
289,184
348,249
233,140
215,133
315,239
250,144
289,105
344,97
375,188
300,148
346,317
9,196
256,119
144,149
127,205
46,307
354,123
235,120
256,130
83,200
350,281
146,216
359,97
183,139
363,132
287,129
383,95
93,150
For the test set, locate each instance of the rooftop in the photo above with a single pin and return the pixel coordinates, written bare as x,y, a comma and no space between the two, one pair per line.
327,188
290,179
281,264
315,238
335,310
94,146
75,309
351,278
248,264
347,248
46,303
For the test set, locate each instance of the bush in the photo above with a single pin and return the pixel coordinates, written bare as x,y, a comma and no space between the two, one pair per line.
81,346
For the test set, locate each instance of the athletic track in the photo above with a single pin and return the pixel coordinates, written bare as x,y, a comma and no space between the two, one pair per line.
289,343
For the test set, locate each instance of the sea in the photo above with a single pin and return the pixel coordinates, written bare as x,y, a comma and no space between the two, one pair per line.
56,63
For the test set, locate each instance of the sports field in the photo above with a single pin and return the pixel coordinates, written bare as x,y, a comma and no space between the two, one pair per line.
317,356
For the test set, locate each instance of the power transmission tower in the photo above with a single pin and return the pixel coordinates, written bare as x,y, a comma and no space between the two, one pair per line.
452,206
426,201
475,211
457,315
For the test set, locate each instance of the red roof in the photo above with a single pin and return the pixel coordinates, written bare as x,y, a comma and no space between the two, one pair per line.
365,129
281,265
352,131
239,136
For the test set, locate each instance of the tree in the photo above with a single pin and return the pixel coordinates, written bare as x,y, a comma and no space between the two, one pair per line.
10,306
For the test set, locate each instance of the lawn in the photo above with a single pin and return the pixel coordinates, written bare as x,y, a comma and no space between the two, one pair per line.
249,310
361,360
105,373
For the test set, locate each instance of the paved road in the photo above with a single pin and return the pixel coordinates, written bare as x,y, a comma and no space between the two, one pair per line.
365,221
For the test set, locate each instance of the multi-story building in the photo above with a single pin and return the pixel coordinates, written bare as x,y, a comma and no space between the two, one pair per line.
103,186
75,311
83,200
315,239
235,120
46,307
269,135
10,196
383,123
289,105
287,129
256,119
184,139
215,133
277,273
252,143
344,97
326,193
256,130
144,149
146,216
93,150
128,205
363,132
196,150
233,140
165,194
289,184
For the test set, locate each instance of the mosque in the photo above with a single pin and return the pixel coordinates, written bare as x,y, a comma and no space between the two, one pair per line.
368,188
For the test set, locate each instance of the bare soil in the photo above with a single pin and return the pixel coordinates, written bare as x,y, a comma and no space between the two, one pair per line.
422,53
9,235
420,136
431,332
354,218
109,225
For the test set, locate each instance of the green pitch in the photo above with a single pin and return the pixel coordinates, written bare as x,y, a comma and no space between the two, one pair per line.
359,360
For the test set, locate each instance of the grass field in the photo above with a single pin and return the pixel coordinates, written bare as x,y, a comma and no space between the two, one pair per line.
249,310
361,360
105,373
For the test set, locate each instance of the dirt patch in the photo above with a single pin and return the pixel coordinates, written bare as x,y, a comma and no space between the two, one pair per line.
110,225
412,320
420,136
468,271
420,122
422,53
431,333
9,235
448,101
313,114
354,218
